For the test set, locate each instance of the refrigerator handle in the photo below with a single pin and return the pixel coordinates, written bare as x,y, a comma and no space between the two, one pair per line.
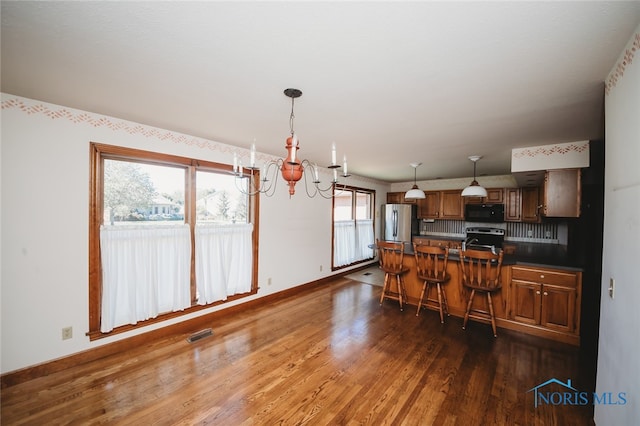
395,223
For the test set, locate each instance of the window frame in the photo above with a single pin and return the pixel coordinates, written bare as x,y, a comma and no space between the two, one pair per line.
98,153
354,202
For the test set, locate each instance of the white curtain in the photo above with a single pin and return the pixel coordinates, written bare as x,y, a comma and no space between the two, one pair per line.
224,260
344,242
145,271
364,238
351,240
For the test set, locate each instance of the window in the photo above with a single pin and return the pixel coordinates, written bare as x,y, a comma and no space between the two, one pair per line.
353,231
168,235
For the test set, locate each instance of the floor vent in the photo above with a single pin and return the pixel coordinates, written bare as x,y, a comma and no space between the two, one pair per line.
367,273
199,335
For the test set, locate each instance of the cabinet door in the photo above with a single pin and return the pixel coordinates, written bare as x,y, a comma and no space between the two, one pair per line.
562,193
525,306
512,206
452,205
395,197
429,206
558,307
530,202
494,196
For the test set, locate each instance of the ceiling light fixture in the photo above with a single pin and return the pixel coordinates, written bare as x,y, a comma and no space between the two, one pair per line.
414,193
474,189
291,169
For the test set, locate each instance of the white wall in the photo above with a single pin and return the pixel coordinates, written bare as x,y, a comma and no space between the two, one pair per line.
45,222
619,343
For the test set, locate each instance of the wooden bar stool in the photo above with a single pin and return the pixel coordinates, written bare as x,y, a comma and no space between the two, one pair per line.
391,256
431,268
480,272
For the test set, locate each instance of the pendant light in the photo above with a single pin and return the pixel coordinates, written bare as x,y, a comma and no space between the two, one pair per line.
474,189
414,193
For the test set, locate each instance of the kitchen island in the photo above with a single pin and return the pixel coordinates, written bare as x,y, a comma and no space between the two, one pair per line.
541,290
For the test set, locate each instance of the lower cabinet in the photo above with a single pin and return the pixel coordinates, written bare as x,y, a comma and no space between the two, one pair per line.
547,299
540,301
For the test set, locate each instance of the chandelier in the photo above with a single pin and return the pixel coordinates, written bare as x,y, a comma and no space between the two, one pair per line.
263,179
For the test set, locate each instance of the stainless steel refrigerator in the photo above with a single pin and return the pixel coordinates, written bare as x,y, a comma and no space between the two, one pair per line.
400,222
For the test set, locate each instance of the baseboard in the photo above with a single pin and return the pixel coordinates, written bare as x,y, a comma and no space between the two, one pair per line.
181,328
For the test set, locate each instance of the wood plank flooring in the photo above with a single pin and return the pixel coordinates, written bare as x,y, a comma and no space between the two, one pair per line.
330,356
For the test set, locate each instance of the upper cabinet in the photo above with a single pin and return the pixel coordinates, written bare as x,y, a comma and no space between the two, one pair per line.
441,205
429,207
398,198
562,192
451,204
522,204
494,196
531,204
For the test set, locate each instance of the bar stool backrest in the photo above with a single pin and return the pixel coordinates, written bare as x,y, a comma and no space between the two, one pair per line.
481,269
431,262
391,256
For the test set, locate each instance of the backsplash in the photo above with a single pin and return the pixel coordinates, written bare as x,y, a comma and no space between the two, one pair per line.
548,233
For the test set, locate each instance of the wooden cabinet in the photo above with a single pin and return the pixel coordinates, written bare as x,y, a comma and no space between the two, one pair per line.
398,198
429,207
522,204
512,206
494,196
452,244
546,298
441,205
451,205
531,204
562,191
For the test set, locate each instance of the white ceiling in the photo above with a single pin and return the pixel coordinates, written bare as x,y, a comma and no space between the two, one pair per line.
389,82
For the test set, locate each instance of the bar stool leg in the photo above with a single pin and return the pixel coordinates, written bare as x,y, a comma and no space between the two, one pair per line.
440,302
466,314
446,303
384,287
424,287
400,290
493,318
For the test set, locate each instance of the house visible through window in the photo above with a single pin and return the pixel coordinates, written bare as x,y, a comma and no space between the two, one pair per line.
353,231
168,235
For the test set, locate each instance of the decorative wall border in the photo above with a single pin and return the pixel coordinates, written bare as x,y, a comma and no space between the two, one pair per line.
116,125
75,116
623,63
547,150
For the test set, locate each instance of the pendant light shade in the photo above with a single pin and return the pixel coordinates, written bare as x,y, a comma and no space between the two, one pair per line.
414,193
474,189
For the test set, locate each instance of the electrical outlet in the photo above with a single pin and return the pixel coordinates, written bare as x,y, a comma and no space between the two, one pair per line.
530,233
67,333
547,234
612,287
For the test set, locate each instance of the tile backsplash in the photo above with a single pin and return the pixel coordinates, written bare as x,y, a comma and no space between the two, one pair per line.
549,233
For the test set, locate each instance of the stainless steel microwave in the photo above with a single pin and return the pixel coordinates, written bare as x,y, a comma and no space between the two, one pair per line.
492,213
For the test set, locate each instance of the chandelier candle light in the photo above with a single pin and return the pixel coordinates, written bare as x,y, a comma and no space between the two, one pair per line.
291,169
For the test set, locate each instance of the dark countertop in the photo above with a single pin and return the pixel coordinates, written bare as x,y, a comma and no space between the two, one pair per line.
526,254
544,255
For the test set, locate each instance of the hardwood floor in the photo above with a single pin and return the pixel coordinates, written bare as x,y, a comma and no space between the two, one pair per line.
331,356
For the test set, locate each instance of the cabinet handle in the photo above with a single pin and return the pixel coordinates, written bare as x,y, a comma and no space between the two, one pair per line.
541,276
545,293
538,292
